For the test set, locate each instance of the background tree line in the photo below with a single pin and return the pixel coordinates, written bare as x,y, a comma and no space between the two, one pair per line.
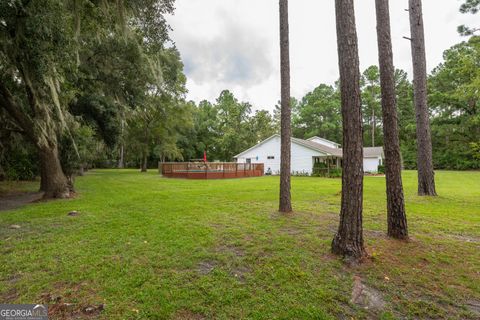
118,98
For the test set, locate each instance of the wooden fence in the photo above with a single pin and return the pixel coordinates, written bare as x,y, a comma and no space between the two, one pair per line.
210,170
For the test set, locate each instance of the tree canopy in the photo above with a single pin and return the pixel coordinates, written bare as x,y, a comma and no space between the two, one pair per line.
90,82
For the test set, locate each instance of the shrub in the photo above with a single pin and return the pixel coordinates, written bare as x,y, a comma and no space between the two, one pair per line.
319,165
381,169
300,174
22,165
335,173
320,171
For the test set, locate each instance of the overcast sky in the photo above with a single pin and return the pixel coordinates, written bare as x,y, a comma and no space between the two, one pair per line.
233,44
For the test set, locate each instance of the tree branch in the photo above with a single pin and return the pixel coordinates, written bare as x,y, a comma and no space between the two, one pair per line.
13,109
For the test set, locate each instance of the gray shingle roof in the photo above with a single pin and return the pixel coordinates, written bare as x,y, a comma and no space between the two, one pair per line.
337,152
369,152
373,152
319,147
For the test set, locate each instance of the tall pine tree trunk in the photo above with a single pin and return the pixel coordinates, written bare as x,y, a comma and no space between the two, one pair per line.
397,219
348,241
374,124
285,197
426,179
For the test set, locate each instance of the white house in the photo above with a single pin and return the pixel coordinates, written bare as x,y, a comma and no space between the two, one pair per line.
305,153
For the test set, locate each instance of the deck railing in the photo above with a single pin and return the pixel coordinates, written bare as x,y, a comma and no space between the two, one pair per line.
210,170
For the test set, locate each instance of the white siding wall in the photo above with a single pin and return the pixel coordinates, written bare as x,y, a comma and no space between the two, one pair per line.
302,157
371,164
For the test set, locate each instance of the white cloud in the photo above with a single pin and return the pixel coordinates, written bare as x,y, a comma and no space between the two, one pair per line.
233,44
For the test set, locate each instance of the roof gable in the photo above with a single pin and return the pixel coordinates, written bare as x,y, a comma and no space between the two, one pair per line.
318,147
369,152
276,135
323,140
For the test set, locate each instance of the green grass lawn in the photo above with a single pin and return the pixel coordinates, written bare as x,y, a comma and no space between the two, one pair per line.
150,247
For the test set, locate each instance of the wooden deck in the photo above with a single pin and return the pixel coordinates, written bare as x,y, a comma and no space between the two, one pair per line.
210,170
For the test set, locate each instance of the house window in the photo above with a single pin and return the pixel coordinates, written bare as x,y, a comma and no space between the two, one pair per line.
249,160
271,157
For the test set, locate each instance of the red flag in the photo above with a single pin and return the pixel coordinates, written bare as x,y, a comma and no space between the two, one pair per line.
205,156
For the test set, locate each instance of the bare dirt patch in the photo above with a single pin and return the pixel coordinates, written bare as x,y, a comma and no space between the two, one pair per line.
292,231
462,238
187,315
366,297
60,301
16,200
60,307
376,234
240,273
474,307
235,250
9,296
205,267
63,310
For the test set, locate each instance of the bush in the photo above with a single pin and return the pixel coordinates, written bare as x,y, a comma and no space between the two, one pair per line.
381,169
325,173
320,165
21,165
300,174
335,173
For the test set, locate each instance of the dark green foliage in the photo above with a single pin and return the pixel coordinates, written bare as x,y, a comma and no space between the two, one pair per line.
318,114
475,146
125,61
79,150
18,160
381,169
101,113
95,60
20,164
470,6
454,99
371,107
321,170
225,128
319,165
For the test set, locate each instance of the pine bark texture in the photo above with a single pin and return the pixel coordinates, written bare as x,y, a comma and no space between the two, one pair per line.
348,241
374,125
426,178
396,216
285,204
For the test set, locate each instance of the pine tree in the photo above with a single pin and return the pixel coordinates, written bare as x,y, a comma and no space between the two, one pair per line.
286,131
397,219
348,241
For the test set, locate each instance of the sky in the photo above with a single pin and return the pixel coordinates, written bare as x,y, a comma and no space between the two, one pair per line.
234,44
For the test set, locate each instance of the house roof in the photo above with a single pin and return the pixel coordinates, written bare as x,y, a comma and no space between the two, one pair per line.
323,139
370,152
318,147
257,145
373,152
